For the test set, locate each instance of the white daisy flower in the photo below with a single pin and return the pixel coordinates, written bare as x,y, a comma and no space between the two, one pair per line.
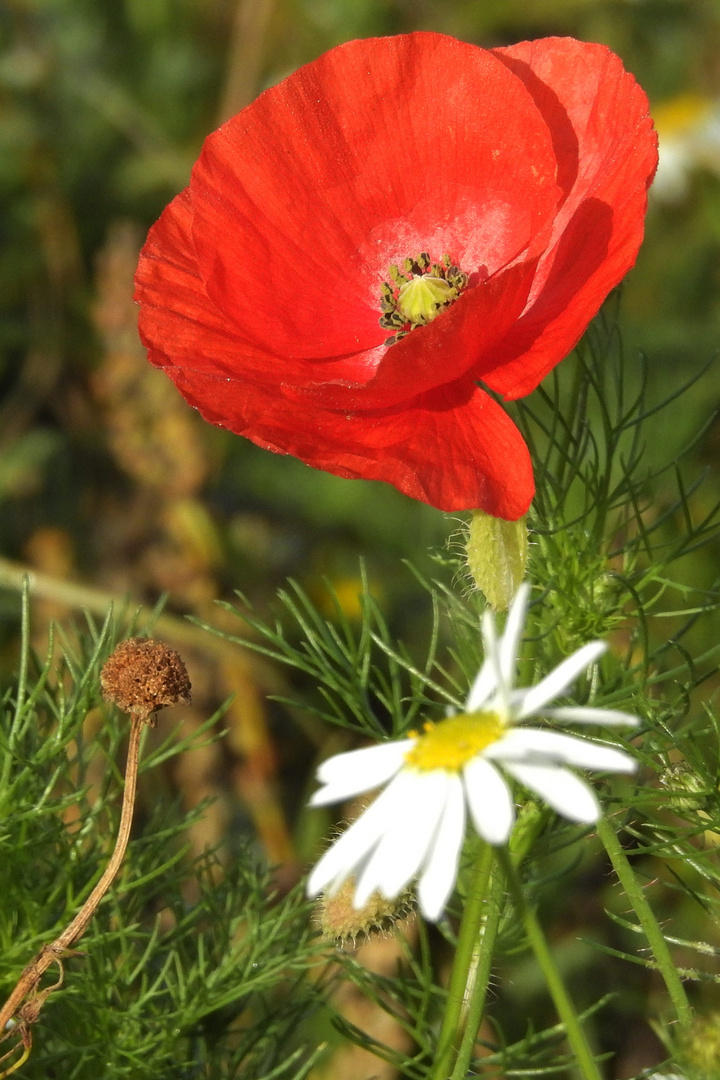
416,825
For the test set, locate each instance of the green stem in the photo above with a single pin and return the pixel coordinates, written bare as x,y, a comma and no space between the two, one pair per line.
466,968
564,434
648,922
484,951
561,999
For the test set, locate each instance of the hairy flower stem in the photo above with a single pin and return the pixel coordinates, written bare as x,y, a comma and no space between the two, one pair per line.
470,967
634,892
565,1008
483,958
49,954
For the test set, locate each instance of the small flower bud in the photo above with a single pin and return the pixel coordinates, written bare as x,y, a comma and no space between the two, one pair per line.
699,1048
143,675
497,552
344,924
687,791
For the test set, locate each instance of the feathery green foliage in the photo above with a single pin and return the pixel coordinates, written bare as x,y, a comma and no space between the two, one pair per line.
190,967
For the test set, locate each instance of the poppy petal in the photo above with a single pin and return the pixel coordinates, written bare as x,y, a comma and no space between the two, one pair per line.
607,154
377,150
452,449
422,360
261,285
179,325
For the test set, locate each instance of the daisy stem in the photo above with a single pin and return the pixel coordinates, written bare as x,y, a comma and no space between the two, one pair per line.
471,967
634,892
561,999
483,957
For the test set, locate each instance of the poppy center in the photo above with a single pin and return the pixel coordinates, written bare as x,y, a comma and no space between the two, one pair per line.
416,292
455,741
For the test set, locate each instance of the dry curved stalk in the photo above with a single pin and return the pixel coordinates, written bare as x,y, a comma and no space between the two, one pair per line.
26,987
141,676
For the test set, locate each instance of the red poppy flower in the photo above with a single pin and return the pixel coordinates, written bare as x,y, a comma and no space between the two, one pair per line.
397,225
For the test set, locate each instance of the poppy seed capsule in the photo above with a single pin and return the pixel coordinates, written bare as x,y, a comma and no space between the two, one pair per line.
142,676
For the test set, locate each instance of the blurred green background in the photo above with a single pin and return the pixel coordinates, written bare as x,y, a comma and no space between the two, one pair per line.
110,485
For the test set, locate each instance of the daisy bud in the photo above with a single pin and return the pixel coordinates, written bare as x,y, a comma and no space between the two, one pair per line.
342,923
142,676
699,1051
686,790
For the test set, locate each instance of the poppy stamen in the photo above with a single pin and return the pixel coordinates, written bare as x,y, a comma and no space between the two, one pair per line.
417,292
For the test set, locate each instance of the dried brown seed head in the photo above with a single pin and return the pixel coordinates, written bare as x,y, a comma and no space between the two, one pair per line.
143,675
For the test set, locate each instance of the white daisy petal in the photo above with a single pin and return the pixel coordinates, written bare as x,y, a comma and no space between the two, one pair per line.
536,746
489,799
353,845
489,630
562,790
416,826
581,714
336,865
512,634
408,835
440,872
559,679
481,689
501,698
345,775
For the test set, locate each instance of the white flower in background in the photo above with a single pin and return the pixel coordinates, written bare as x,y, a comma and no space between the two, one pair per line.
416,826
688,129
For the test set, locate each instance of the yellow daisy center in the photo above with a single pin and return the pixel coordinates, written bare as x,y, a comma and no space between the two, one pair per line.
455,741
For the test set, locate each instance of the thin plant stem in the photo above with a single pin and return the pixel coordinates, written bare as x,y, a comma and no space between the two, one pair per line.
20,1061
634,892
247,55
84,597
561,999
574,409
484,951
467,965
49,954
